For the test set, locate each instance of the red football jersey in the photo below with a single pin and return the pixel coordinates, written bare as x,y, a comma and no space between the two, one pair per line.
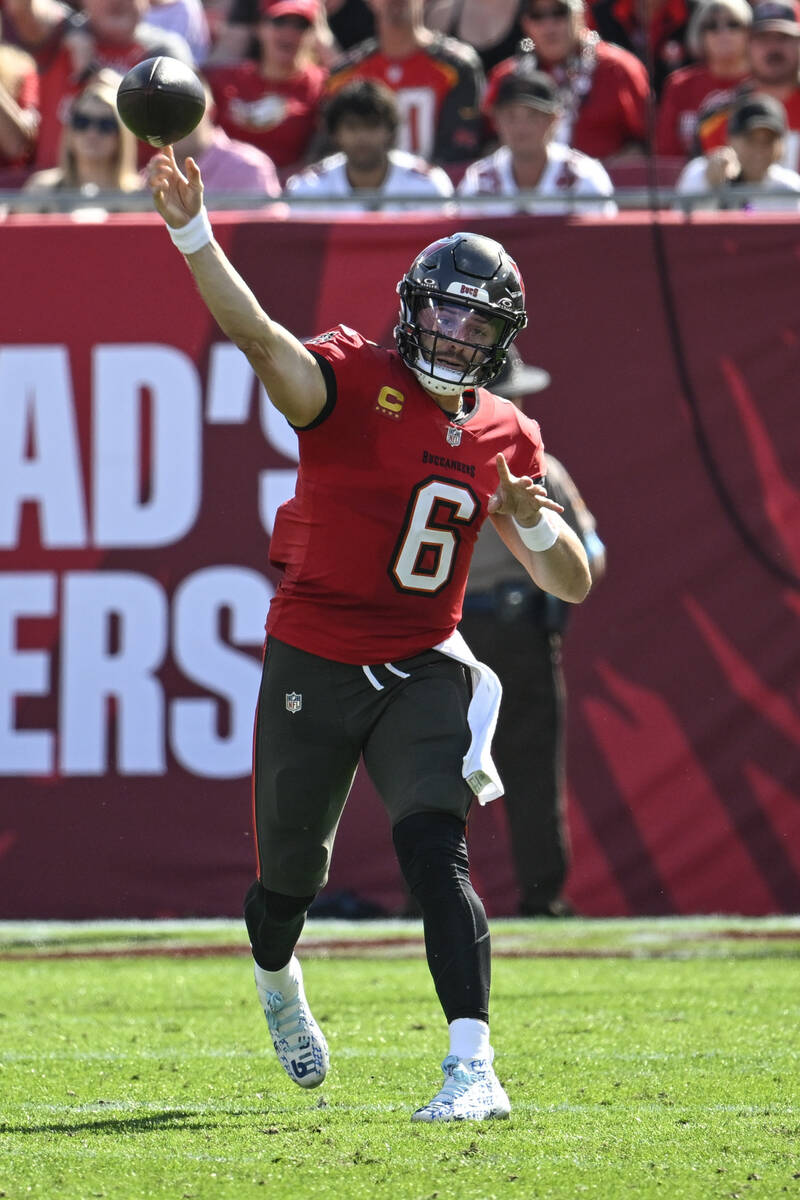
279,117
438,90
375,545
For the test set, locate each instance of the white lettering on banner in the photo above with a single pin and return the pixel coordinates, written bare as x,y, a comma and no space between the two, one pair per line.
140,465
39,454
121,517
230,387
204,659
113,639
95,673
23,672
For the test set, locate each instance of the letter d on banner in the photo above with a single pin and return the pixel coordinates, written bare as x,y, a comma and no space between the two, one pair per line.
122,517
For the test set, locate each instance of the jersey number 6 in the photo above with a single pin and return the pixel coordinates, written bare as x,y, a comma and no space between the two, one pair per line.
424,556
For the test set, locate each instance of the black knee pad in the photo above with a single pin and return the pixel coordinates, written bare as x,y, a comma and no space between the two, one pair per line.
431,848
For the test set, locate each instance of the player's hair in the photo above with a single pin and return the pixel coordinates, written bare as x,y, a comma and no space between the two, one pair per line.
103,87
368,99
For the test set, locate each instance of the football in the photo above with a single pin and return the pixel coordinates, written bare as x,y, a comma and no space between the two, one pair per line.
161,100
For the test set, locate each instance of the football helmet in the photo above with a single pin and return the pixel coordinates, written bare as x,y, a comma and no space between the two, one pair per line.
462,303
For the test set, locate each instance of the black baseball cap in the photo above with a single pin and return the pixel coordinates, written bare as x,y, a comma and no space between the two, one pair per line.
757,111
533,88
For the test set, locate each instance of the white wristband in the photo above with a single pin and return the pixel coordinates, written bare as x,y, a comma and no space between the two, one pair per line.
540,536
194,235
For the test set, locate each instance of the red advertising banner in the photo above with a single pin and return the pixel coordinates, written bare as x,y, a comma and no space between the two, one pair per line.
140,470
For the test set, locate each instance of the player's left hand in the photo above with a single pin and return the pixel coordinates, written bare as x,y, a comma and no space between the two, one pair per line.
519,497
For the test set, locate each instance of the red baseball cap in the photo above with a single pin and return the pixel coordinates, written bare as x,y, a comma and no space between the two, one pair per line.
290,8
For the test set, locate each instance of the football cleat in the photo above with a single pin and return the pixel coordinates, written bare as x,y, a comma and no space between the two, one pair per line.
299,1042
471,1092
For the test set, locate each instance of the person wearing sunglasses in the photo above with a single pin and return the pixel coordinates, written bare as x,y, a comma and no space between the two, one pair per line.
717,41
773,57
274,102
98,154
604,91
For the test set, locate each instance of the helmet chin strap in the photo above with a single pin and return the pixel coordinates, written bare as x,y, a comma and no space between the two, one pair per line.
454,386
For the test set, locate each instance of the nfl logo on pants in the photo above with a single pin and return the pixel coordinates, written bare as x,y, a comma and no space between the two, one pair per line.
294,702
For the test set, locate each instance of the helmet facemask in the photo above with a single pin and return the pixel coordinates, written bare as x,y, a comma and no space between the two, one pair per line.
451,344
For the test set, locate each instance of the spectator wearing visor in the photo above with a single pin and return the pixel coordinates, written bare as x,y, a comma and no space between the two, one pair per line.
274,103
750,160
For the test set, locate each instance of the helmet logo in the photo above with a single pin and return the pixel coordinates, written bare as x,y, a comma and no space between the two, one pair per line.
468,290
505,302
429,283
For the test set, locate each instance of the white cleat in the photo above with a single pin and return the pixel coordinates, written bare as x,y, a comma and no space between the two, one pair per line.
471,1092
298,1040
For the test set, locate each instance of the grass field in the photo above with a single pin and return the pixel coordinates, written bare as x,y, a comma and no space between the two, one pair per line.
642,1059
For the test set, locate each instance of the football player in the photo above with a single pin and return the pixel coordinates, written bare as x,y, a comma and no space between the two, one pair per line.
403,455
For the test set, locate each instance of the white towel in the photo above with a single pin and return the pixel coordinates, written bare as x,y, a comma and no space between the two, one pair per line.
478,768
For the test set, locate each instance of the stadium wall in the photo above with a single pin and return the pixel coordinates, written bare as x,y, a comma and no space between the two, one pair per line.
140,470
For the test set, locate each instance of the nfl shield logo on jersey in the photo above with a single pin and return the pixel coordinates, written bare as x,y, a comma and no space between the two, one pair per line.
453,435
294,702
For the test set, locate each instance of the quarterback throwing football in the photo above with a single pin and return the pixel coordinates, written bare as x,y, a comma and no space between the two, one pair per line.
403,455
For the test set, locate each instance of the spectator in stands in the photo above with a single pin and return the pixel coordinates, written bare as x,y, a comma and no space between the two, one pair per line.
19,105
717,40
237,36
653,30
604,89
749,159
438,80
274,103
185,17
227,165
491,27
70,46
526,111
362,120
773,51
97,153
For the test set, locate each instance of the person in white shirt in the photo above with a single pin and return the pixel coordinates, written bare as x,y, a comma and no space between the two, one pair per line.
556,177
750,160
366,174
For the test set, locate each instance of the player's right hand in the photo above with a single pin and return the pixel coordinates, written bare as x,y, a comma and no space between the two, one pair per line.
177,197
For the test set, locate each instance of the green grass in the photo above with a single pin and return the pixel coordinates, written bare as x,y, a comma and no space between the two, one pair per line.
669,1068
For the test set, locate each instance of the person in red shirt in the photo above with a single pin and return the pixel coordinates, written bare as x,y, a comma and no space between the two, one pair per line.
438,80
70,47
404,453
773,52
604,90
274,103
717,38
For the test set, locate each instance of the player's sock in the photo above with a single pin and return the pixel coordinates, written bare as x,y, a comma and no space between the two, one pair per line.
469,1039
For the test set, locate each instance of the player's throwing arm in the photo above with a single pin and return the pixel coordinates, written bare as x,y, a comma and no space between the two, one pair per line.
288,371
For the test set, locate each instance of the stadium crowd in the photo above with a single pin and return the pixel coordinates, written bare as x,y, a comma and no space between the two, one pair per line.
353,105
